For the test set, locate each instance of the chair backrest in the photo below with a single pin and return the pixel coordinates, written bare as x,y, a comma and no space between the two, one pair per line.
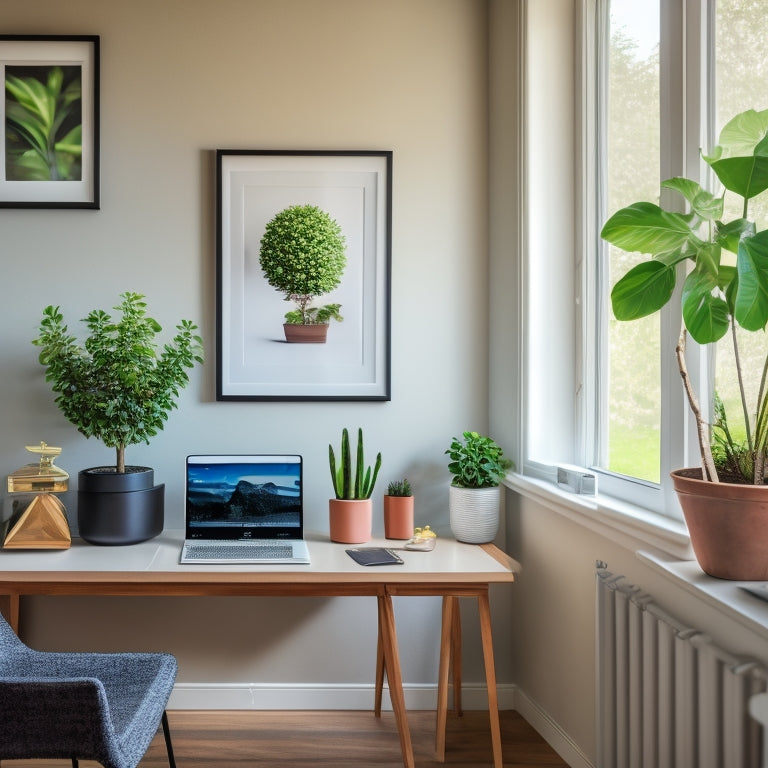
8,640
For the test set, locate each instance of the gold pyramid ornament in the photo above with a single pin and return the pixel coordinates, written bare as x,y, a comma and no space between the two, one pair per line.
39,521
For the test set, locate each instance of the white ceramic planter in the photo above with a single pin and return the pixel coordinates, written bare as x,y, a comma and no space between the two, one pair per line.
474,513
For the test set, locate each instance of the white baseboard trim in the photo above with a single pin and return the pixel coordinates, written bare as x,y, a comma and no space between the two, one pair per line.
297,696
550,731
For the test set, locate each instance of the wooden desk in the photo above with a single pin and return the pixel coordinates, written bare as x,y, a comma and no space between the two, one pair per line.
452,570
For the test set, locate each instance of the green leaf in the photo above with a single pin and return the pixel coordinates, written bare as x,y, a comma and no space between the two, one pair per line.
741,158
728,235
746,176
646,228
644,290
705,312
751,308
703,203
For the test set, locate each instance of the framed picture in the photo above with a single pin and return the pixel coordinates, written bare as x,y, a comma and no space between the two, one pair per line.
303,247
50,119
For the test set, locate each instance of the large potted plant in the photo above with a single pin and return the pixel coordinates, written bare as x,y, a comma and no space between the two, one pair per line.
725,501
351,512
302,254
477,466
118,388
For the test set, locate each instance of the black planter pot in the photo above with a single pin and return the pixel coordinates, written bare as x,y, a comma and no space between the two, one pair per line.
119,508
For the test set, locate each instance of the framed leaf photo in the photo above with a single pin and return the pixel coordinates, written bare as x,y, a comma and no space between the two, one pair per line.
50,119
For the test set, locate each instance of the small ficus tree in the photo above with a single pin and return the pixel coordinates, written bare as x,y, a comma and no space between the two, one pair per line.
302,253
116,387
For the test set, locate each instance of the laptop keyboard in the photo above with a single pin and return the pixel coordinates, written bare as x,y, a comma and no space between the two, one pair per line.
238,552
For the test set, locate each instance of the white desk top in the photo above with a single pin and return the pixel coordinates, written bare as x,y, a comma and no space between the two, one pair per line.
159,557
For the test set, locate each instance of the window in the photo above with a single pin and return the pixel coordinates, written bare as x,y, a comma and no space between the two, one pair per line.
669,74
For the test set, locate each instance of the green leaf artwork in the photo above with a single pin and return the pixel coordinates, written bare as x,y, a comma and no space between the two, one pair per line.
43,123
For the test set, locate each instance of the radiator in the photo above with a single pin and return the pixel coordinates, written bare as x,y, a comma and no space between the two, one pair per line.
668,697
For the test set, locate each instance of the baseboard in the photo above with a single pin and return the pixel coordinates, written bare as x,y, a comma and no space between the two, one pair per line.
298,696
550,731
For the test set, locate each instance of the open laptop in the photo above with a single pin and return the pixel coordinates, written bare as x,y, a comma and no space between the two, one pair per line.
244,510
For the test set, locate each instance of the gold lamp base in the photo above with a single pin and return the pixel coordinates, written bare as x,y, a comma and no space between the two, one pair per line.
42,525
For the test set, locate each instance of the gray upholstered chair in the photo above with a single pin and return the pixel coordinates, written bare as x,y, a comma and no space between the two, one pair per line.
90,706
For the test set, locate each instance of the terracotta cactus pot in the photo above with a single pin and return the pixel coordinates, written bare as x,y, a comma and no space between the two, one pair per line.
350,520
398,517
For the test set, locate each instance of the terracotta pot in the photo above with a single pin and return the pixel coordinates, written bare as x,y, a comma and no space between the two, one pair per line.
474,513
728,525
398,517
305,334
350,520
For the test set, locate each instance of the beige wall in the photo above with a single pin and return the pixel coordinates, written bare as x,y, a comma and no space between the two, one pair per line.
181,78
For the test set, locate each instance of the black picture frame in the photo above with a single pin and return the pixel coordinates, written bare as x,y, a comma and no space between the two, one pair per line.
254,361
66,67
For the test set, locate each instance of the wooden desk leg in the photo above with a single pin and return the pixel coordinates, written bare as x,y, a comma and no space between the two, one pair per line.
490,677
9,607
394,677
456,657
446,642
380,669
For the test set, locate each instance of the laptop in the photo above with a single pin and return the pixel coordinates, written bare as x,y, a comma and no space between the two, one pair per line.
244,510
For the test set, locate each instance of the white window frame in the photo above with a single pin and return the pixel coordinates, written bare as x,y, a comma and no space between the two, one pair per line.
685,129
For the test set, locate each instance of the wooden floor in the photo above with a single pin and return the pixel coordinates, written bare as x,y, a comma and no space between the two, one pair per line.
302,739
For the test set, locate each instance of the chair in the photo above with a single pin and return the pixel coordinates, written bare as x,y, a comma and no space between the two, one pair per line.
90,706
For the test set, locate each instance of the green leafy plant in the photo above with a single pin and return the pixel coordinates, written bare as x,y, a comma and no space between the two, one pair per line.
314,315
726,284
349,482
115,386
476,461
44,119
302,254
399,488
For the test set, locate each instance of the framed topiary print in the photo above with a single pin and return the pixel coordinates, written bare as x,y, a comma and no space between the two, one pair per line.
303,274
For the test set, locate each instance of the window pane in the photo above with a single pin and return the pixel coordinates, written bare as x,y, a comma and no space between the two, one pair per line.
630,435
741,77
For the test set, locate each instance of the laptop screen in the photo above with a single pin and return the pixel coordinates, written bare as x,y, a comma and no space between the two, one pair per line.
244,497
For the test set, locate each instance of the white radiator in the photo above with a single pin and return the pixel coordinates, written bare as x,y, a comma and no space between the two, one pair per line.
667,697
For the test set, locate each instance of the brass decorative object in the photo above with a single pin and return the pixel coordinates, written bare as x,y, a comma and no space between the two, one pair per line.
38,521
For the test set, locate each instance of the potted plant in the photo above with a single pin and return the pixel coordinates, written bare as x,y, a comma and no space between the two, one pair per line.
725,288
398,510
117,388
302,253
350,513
477,467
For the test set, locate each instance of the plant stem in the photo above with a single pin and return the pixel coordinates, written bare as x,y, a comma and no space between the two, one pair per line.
760,429
702,430
740,379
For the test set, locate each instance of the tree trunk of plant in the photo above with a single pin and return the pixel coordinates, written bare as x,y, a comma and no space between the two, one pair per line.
120,458
702,428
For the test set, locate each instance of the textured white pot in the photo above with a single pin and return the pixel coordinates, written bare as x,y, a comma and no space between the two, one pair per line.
474,513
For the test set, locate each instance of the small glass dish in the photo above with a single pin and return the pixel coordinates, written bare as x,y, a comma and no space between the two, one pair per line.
423,540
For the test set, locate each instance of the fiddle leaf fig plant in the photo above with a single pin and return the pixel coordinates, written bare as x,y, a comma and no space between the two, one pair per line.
725,284
302,254
115,386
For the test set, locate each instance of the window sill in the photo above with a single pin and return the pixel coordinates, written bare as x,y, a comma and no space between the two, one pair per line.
726,596
627,525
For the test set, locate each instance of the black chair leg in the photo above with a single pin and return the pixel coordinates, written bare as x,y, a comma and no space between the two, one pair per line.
75,764
168,745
